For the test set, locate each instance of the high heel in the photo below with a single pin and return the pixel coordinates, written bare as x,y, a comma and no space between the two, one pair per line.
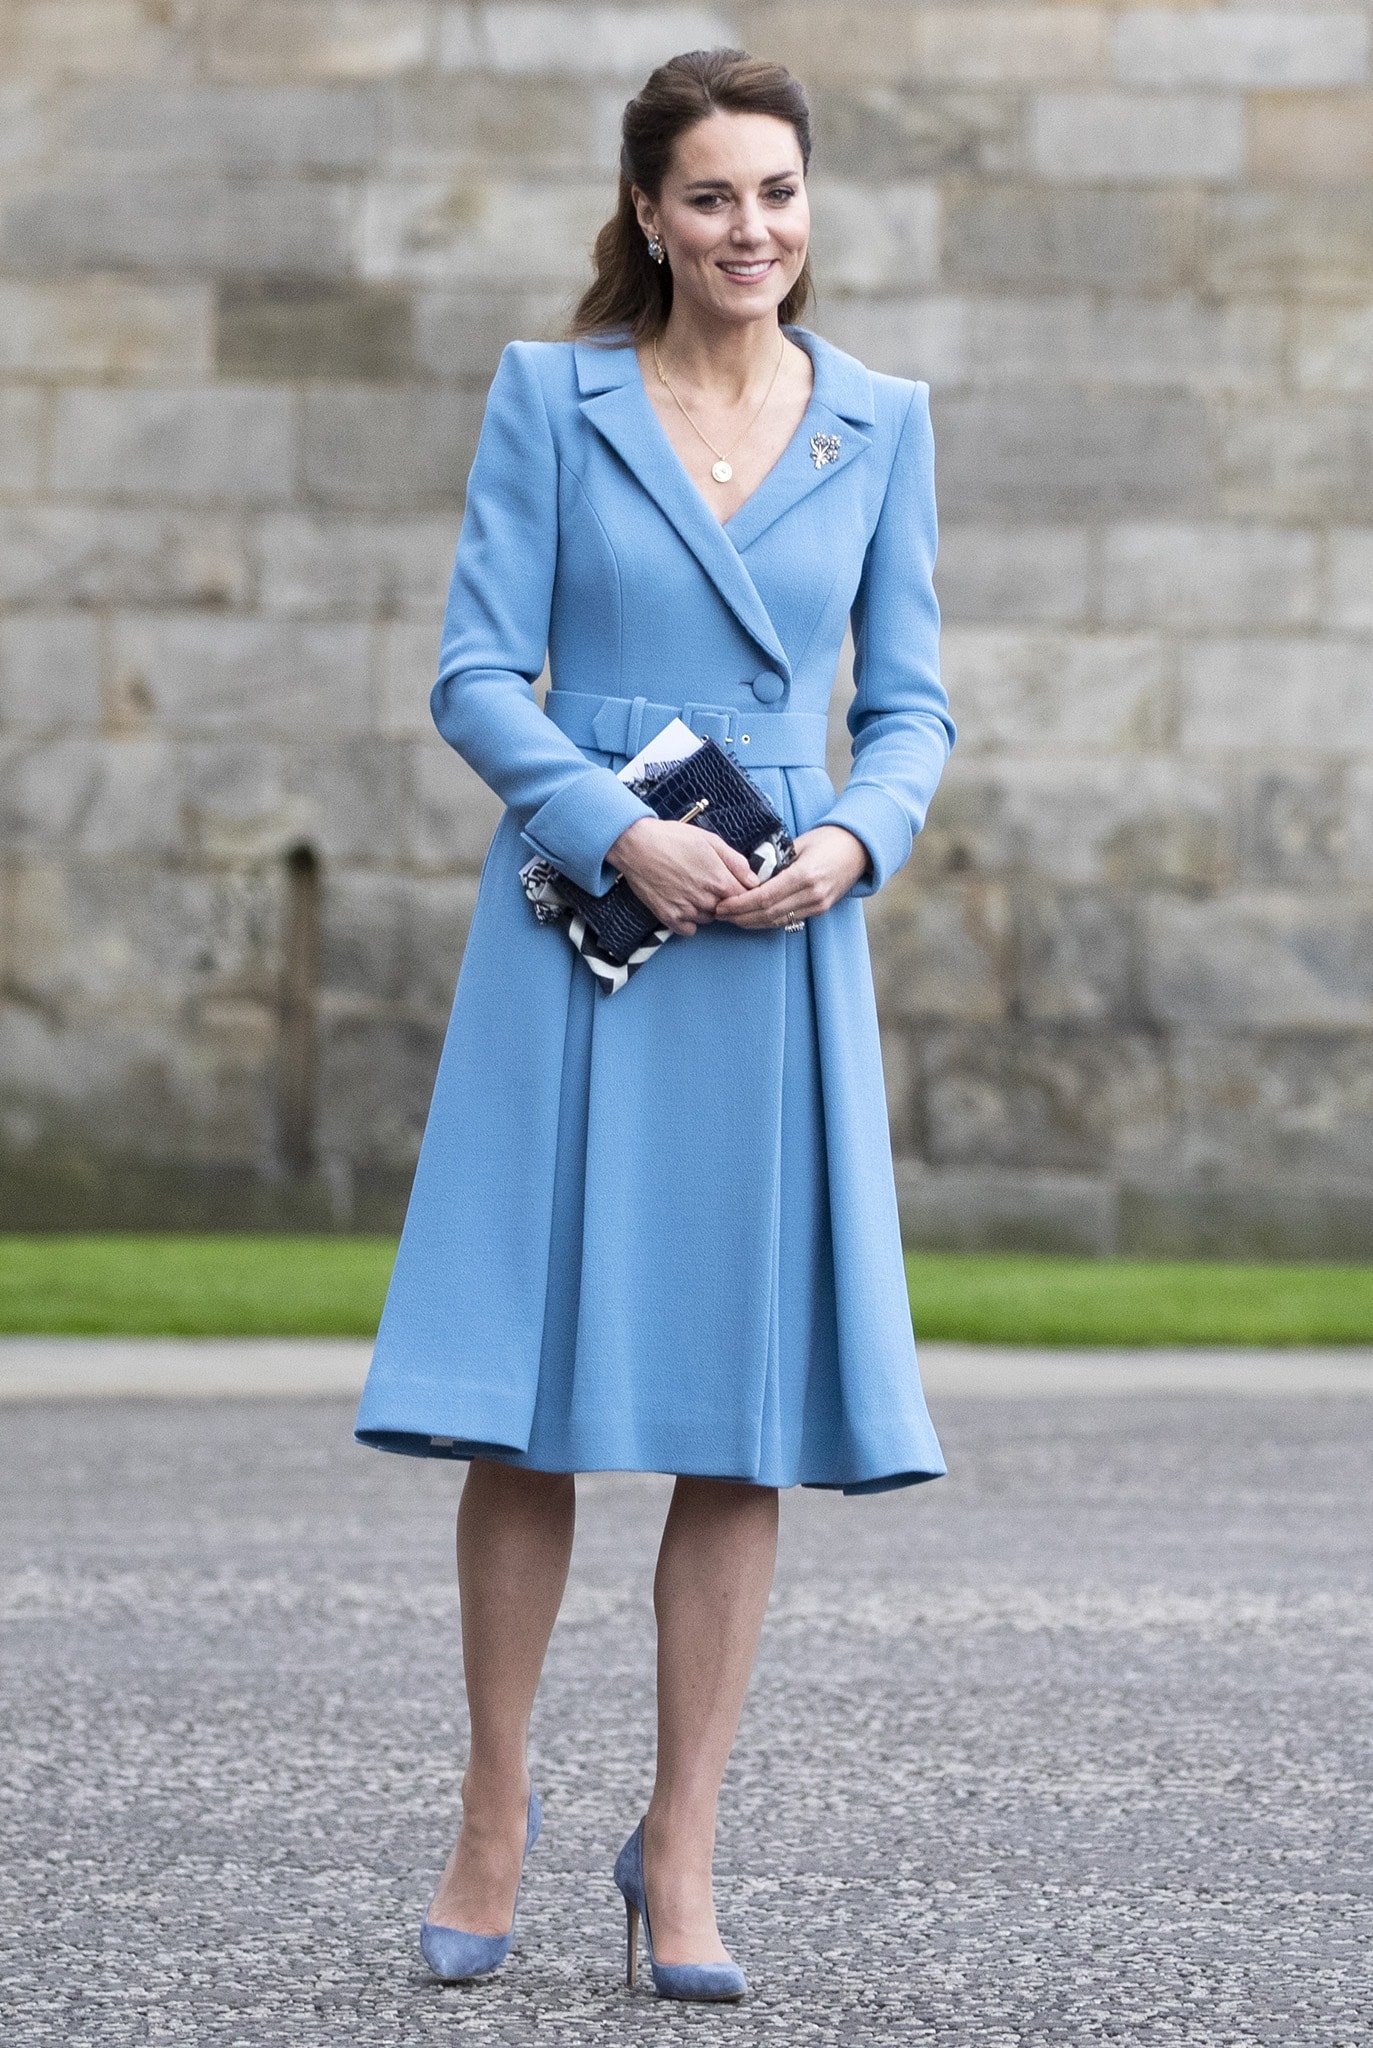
456,1956
670,1980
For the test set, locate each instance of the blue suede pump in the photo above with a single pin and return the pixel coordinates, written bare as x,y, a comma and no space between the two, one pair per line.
670,1980
457,1956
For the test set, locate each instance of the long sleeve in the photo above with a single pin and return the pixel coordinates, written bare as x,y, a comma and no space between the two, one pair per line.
899,717
495,639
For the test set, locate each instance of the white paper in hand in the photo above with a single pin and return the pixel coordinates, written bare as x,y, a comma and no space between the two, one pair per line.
674,743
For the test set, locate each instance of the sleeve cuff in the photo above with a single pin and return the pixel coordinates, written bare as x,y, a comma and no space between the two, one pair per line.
577,826
882,825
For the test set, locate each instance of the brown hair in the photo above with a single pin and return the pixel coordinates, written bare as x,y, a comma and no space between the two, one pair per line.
629,289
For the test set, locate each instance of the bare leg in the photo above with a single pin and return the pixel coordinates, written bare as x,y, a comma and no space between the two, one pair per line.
710,1593
514,1545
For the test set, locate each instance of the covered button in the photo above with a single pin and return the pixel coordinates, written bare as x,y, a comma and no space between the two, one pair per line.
768,686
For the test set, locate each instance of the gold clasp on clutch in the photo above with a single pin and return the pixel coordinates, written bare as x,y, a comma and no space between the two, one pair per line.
700,805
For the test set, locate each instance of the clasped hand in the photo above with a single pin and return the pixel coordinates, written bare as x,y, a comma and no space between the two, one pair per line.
688,876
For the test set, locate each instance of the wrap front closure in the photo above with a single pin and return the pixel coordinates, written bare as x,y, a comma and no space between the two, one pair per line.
662,1234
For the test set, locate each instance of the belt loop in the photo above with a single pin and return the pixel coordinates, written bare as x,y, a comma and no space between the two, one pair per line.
707,719
634,726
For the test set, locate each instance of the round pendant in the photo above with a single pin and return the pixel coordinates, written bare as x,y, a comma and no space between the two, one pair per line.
721,471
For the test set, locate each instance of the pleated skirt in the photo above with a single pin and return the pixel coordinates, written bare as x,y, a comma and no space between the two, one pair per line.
803,1417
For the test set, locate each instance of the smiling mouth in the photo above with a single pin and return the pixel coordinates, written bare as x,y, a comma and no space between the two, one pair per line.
749,270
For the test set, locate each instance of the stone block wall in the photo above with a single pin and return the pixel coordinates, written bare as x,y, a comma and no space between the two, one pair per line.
257,261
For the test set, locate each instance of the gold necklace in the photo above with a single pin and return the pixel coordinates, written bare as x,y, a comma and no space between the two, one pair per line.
720,468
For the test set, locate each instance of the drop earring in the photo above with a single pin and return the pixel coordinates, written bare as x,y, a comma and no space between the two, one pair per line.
656,249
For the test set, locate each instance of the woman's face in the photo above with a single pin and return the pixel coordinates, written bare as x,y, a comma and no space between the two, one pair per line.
735,195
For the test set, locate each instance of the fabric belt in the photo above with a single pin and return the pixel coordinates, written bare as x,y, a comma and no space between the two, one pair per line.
757,739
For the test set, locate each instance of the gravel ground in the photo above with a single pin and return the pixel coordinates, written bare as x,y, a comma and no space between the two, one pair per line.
1070,1746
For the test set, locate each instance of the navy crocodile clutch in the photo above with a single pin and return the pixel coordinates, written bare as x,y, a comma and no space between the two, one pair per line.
733,807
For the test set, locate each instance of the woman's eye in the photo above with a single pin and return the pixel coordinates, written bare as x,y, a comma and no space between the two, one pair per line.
777,192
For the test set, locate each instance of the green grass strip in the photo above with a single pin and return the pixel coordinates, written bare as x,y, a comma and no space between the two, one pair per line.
271,1285
1005,1299
216,1285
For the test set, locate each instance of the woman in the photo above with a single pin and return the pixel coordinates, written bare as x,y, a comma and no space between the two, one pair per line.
657,1230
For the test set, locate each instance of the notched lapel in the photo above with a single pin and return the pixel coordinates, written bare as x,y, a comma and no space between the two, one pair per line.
614,400
624,415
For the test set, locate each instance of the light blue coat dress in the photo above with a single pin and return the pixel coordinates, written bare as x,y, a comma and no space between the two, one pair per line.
657,1230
